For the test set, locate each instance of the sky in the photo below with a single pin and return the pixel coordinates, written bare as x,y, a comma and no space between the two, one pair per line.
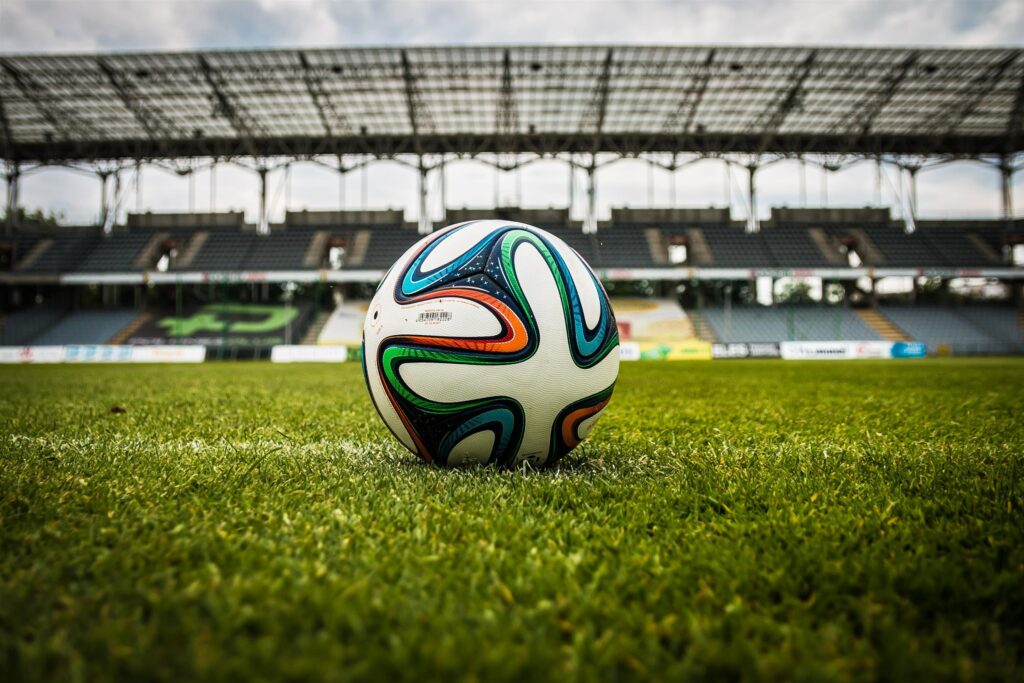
962,189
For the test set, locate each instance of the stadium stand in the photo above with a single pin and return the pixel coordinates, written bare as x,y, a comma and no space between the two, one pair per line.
1000,322
961,331
625,246
116,253
279,251
21,327
787,323
86,327
62,254
223,251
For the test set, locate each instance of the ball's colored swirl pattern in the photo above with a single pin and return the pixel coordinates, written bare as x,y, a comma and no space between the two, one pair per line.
486,275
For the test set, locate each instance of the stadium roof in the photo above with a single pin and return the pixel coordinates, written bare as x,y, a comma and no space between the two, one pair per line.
542,99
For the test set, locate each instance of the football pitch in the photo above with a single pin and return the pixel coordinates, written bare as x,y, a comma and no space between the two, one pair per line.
745,519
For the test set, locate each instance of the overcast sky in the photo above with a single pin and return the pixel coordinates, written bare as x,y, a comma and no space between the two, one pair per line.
105,25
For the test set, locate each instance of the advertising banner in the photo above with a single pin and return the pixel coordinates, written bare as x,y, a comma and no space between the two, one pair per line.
97,353
744,350
629,351
308,354
102,353
680,350
168,354
909,350
31,354
824,350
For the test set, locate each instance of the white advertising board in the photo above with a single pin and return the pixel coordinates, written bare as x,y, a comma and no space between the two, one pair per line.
31,354
629,351
825,350
308,354
102,353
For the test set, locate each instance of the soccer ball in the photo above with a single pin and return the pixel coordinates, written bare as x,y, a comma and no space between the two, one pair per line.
490,342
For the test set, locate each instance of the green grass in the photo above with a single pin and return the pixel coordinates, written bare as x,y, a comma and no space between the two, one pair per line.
761,520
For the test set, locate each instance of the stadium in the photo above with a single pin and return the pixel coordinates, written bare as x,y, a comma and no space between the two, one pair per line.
811,470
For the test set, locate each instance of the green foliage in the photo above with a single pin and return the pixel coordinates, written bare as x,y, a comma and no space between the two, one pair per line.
732,520
35,217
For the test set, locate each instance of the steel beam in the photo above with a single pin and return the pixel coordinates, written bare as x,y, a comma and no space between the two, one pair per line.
263,224
771,120
1006,187
949,118
414,106
424,217
150,120
686,110
599,103
6,138
866,114
388,146
753,225
226,107
329,116
590,219
1015,120
508,119
13,179
41,100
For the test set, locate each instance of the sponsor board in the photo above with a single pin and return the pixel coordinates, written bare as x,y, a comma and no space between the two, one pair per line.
169,354
825,350
308,354
629,351
102,353
680,350
31,354
745,350
909,350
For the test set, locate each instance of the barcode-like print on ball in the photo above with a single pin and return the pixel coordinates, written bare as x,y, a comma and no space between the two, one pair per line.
490,342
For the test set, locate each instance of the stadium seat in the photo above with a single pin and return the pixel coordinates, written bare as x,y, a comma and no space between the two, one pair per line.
86,327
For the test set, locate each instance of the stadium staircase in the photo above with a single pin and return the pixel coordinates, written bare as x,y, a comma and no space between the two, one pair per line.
315,328
147,255
40,248
869,253
360,243
656,245
883,327
700,252
832,255
701,329
315,252
195,245
131,328
984,247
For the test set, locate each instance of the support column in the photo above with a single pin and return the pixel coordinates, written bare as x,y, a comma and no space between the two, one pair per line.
424,218
263,223
138,186
572,187
13,178
1006,181
108,225
590,219
803,182
104,199
752,223
213,187
444,191
878,181
911,217
672,185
